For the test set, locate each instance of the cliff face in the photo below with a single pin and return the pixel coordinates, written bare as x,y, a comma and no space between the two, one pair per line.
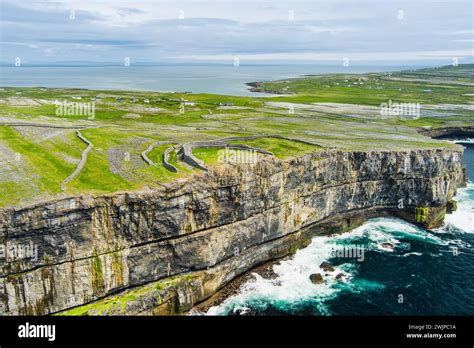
465,131
163,251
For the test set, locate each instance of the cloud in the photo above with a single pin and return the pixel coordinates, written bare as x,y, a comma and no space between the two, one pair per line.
257,30
337,56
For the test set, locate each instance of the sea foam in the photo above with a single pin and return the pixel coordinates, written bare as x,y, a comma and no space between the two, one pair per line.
462,220
292,288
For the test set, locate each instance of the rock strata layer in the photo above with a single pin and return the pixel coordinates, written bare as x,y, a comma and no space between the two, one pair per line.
163,251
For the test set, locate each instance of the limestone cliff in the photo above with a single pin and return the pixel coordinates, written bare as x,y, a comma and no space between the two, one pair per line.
162,251
442,132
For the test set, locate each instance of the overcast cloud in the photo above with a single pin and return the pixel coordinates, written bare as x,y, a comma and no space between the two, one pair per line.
255,31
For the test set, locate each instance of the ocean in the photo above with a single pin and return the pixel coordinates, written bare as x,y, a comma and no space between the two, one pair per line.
218,79
419,272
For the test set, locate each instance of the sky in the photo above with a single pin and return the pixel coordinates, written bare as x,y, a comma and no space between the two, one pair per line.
250,31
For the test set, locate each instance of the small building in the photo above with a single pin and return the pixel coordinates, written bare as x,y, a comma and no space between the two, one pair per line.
133,100
147,101
188,103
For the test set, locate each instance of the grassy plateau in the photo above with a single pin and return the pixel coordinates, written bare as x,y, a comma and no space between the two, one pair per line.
40,147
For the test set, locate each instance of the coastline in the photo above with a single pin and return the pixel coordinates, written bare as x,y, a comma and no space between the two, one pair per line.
198,79
192,241
179,294
265,270
447,132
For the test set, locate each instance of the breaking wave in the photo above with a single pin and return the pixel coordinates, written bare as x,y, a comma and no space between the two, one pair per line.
396,257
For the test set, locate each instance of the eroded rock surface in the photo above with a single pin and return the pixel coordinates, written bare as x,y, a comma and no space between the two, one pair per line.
163,251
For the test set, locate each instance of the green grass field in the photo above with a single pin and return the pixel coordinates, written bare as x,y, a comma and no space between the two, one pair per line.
39,149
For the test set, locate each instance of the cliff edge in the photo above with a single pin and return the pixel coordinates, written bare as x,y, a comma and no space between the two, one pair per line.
163,251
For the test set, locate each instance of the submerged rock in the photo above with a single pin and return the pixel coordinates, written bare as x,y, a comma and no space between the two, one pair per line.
316,278
388,245
326,267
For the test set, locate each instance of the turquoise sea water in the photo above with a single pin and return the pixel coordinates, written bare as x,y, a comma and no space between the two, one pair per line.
424,273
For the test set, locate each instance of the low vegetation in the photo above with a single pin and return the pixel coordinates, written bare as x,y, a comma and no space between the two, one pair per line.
39,148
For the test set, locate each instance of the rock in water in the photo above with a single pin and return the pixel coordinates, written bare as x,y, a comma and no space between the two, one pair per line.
316,278
326,267
451,206
388,246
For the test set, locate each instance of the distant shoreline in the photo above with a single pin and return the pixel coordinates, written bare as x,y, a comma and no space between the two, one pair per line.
167,78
